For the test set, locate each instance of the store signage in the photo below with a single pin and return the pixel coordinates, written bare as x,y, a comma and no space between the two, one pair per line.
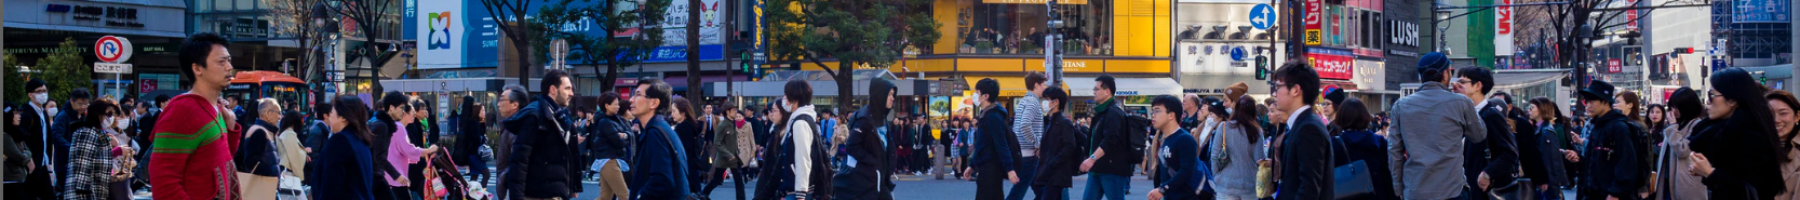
147,86
1404,33
1063,2
1503,28
1331,63
1631,17
1312,19
112,15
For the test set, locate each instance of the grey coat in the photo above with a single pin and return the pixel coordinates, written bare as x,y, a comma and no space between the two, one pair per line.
1674,182
1431,125
1233,160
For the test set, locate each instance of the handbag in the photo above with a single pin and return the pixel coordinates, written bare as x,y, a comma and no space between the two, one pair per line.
1352,180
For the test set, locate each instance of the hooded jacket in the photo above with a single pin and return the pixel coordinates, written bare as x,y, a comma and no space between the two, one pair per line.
869,174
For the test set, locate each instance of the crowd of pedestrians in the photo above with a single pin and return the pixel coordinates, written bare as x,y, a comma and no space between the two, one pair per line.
1456,137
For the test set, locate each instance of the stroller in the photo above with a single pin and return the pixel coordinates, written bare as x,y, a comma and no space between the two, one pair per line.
445,182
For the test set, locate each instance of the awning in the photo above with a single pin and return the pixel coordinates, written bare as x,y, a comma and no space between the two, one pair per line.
1084,86
1519,78
1009,86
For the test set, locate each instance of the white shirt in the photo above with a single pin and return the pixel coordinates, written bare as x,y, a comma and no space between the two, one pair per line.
44,134
1294,115
1480,104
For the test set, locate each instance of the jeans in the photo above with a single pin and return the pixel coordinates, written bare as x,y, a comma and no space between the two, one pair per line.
1111,186
1026,168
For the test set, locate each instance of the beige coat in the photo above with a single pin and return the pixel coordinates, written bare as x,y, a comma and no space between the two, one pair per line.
1790,171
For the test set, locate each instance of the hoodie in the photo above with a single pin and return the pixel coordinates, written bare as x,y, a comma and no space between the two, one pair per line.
867,147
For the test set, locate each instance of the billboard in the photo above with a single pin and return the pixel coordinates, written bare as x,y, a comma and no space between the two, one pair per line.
1331,63
462,35
1759,11
1503,28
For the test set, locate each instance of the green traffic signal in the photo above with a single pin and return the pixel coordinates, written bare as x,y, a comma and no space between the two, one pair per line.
1262,68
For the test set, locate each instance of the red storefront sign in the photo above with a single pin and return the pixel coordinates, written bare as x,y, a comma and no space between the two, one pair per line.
1313,12
1614,66
1331,63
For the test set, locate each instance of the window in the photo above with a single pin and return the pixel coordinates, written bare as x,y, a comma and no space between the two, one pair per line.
1019,27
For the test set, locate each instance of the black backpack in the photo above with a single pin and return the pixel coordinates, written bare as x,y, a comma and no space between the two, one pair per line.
1137,132
820,178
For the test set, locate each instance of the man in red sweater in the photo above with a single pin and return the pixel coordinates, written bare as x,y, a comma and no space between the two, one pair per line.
190,157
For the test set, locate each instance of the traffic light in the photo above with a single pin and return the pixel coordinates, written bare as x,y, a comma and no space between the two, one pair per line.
1684,50
1262,68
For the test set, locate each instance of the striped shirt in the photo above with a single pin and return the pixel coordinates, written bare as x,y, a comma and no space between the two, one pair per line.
1030,119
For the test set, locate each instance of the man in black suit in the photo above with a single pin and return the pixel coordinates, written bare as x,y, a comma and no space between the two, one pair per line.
1305,159
1493,162
35,127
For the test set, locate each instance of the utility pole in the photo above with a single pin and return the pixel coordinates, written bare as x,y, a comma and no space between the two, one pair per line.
1052,43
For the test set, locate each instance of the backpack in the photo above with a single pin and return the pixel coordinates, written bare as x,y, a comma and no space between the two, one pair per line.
822,170
1137,132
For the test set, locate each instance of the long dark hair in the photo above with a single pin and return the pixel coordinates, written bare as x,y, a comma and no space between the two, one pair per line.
1632,112
290,121
1737,85
470,109
351,109
1246,117
1785,148
681,104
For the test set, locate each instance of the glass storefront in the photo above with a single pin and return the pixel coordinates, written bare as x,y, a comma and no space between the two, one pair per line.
1018,27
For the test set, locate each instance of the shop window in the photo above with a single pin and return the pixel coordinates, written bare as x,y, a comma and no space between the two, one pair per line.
1019,27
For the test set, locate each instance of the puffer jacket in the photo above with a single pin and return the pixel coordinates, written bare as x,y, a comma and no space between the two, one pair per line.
542,152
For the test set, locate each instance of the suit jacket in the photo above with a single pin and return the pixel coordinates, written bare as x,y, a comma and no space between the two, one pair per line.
1306,169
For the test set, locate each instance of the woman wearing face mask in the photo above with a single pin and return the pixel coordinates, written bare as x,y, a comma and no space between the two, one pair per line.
91,159
1736,151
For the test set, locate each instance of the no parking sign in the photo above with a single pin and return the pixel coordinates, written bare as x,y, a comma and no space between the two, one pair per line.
112,49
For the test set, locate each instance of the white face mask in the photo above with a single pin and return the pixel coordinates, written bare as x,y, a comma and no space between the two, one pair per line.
122,123
978,100
109,123
51,111
1046,107
40,98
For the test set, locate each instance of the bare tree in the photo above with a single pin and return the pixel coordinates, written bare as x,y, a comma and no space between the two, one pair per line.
293,19
611,17
509,16
370,20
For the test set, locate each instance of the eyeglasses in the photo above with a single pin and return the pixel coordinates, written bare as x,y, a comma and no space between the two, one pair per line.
1464,81
1276,86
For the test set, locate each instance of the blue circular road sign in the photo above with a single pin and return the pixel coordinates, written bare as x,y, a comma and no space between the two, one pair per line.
1262,16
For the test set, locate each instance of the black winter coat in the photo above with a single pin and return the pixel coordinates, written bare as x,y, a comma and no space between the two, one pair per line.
1108,132
1060,152
540,164
1742,156
1611,158
1498,156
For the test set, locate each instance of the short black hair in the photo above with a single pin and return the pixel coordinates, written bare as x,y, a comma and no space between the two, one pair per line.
1170,103
609,98
1480,75
161,99
393,98
1034,78
799,92
990,87
128,98
80,94
1106,81
34,84
518,94
1297,73
194,51
551,79
1056,93
658,90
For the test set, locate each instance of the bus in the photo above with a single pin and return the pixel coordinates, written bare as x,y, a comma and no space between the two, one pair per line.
248,86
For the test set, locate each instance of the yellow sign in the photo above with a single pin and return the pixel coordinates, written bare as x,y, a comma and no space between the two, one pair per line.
1312,37
1039,2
